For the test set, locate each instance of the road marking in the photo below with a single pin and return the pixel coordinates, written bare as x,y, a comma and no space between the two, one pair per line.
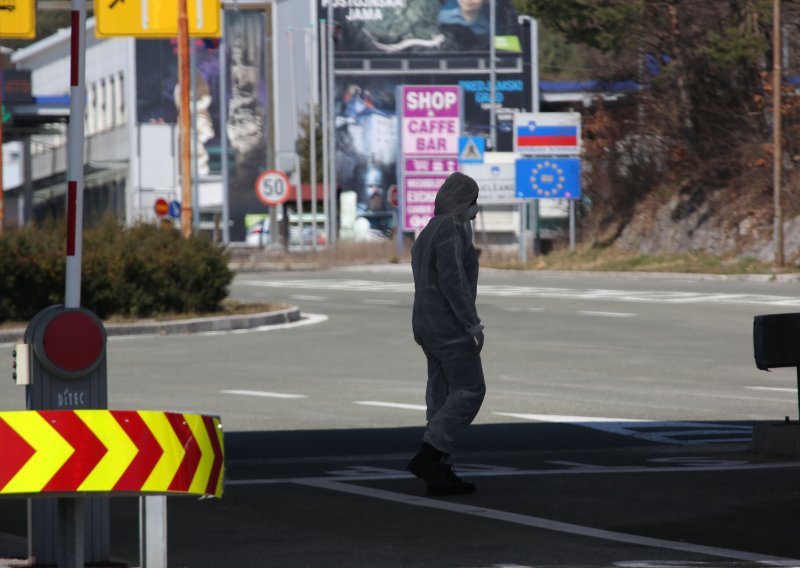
576,469
308,298
636,296
775,389
607,314
538,522
391,404
305,319
264,394
561,418
382,302
682,433
523,309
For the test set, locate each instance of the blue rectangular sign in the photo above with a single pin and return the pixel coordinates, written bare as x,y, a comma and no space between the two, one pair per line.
543,178
471,149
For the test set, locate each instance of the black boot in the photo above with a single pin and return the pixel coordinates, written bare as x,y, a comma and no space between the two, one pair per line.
441,479
424,464
444,481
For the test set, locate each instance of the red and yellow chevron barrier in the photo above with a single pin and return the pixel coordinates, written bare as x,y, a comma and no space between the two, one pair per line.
97,451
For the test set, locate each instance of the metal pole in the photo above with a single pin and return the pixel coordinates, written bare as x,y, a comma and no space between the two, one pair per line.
334,196
571,225
70,532
153,531
27,191
312,131
70,511
2,191
534,38
492,77
223,122
324,29
293,86
534,23
186,150
77,96
523,245
193,117
776,130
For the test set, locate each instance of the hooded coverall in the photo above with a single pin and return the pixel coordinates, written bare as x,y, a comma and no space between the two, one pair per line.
444,318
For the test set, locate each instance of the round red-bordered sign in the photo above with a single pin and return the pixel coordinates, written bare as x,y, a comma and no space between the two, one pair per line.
161,207
69,342
272,187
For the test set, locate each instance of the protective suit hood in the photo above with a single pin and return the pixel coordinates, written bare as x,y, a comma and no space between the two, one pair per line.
456,196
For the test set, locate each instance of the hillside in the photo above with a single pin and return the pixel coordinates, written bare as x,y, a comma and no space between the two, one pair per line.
684,164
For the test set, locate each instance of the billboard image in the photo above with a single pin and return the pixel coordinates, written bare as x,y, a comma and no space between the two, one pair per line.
246,123
368,135
403,27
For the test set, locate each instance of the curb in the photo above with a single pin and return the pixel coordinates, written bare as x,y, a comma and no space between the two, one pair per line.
197,325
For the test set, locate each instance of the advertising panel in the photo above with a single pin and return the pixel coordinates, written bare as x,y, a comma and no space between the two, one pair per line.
430,131
367,135
369,28
158,99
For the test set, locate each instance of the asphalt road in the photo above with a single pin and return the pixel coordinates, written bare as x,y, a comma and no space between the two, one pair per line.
614,433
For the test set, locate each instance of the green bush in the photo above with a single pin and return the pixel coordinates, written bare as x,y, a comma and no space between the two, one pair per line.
140,270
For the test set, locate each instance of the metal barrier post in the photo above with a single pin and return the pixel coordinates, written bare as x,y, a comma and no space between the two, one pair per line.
153,531
70,532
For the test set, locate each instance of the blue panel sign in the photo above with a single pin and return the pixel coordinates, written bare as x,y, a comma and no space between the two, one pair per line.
542,178
175,209
471,149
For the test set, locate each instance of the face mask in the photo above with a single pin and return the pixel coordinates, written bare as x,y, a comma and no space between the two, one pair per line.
472,211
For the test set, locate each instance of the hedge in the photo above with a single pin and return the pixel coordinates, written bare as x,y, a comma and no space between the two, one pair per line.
137,271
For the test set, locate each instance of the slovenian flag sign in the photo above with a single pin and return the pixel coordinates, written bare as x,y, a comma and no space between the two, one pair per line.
547,133
533,135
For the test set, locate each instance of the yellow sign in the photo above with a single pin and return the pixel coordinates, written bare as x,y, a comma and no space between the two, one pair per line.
110,451
155,18
17,19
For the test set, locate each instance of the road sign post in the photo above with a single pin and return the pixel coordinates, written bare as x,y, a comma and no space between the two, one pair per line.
551,135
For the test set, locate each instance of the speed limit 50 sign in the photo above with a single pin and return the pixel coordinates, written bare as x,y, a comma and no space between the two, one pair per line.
272,187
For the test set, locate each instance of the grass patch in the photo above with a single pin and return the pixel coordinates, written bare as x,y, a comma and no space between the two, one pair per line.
614,260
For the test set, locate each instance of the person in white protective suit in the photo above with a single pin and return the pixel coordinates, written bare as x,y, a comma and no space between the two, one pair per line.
446,325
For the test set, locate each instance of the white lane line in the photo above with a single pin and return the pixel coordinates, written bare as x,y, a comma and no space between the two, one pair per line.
576,469
607,314
560,418
774,389
540,523
523,309
308,298
382,302
390,404
662,432
265,394
638,296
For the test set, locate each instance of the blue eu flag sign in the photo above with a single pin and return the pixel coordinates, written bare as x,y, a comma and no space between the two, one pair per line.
542,178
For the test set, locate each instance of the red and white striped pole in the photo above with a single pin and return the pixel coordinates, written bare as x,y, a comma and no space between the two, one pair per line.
77,96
